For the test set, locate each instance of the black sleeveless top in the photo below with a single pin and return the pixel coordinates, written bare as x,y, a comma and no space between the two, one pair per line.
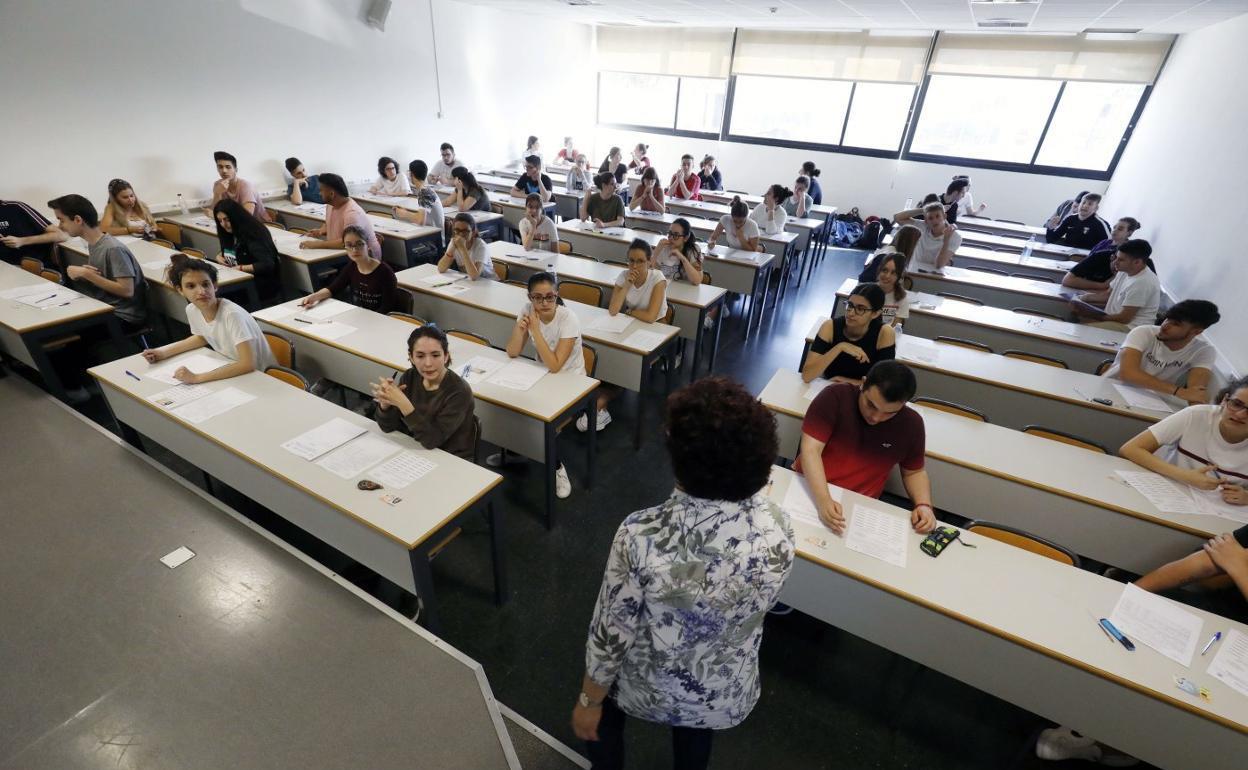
846,365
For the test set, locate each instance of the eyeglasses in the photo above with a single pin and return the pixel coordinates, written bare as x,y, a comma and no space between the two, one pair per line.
674,234
461,230
638,261
535,298
851,307
1235,405
355,245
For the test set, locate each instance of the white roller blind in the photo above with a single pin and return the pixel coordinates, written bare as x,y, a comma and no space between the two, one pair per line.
659,51
1129,59
831,55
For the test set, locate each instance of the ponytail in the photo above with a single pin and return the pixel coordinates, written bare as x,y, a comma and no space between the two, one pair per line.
738,208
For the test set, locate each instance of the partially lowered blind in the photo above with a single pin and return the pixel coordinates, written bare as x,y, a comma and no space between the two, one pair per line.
1116,59
831,55
701,53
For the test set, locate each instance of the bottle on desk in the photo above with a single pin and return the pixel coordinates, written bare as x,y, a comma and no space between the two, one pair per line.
182,204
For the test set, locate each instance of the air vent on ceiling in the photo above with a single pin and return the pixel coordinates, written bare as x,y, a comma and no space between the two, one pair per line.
659,21
1001,24
1106,31
582,2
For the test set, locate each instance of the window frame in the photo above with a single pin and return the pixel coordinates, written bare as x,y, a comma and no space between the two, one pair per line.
666,131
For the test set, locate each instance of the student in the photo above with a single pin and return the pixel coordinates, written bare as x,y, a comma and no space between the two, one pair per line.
640,292
1095,270
112,274
1161,357
1063,210
614,164
889,275
430,212
430,402
25,232
709,177
770,215
737,228
579,178
467,251
371,281
538,231
567,155
389,180
938,240
247,244
685,183
677,256
649,195
1133,295
533,181
639,160
469,195
231,186
555,333
952,198
441,171
125,214
847,346
216,322
810,172
679,620
604,208
532,147
853,435
301,186
966,206
905,240
340,212
800,204
1082,229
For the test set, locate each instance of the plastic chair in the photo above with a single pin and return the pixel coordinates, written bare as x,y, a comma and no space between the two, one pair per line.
961,343
521,284
196,253
1054,434
403,300
170,231
165,243
502,271
1025,540
1037,313
1043,278
1036,358
382,214
907,283
411,319
591,366
951,408
297,230
48,274
288,376
32,265
275,225
581,292
469,336
1103,366
959,298
283,349
706,278
616,262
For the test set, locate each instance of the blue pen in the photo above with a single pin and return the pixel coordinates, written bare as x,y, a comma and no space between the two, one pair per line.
1212,639
1114,632
136,379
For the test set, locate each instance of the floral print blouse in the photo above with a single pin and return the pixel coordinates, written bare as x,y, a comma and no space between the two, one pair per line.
679,618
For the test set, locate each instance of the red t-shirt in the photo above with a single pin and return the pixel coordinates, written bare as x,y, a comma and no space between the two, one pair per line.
858,456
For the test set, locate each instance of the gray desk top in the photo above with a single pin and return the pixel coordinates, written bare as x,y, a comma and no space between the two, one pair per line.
390,228
287,243
244,657
23,318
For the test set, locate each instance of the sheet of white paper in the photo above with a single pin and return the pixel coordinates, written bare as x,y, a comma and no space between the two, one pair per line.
172,398
878,534
328,331
52,296
401,470
518,375
611,323
441,279
1210,503
355,457
478,369
534,254
177,557
313,443
643,340
453,289
220,402
1142,399
326,309
1157,622
198,363
1230,665
39,288
801,506
919,348
815,387
1161,492
278,312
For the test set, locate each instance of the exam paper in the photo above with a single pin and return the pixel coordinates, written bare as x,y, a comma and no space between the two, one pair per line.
1160,491
919,349
533,254
198,363
313,443
1230,665
328,331
643,340
51,296
478,369
40,288
453,289
799,504
611,323
518,375
326,309
171,398
815,387
1210,503
441,279
1142,399
1157,622
878,534
355,457
401,470
278,312
211,405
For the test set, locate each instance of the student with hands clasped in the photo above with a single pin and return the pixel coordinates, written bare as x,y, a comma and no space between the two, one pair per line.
466,251
649,196
216,322
737,228
685,182
429,402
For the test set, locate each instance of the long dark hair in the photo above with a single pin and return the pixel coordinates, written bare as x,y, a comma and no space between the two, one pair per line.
471,188
690,248
432,332
899,267
180,264
246,227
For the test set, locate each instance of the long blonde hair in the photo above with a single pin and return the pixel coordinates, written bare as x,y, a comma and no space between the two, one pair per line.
117,187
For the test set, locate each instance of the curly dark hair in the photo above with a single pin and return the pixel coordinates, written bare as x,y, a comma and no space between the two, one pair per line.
721,439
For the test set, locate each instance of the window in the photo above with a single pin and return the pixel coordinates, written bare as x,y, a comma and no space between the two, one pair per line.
998,119
637,100
790,109
877,117
1090,123
701,105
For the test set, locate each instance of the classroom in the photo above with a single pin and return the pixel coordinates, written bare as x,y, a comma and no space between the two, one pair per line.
608,384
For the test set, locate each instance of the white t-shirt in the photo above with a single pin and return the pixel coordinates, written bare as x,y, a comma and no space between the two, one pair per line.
897,308
480,257
441,172
397,186
545,227
639,296
564,326
1190,439
769,223
1157,360
928,249
1142,290
231,326
730,233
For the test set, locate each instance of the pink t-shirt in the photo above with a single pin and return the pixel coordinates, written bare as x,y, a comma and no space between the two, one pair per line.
243,193
337,219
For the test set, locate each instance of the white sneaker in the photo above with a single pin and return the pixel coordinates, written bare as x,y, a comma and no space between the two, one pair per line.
563,485
603,420
708,323
1059,743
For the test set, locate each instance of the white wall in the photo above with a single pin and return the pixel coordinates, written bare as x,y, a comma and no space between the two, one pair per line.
148,89
1182,175
875,185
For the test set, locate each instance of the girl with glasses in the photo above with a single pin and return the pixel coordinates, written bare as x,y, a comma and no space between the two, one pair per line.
846,347
537,231
677,255
389,180
467,252
371,281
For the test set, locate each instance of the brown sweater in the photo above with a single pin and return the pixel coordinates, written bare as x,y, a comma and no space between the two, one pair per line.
441,419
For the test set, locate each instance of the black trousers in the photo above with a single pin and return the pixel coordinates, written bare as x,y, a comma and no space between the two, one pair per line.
691,746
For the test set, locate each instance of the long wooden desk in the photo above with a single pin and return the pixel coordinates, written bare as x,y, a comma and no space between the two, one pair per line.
242,447
1082,347
24,330
1002,291
489,308
302,270
522,421
1062,492
247,656
690,303
1017,625
403,242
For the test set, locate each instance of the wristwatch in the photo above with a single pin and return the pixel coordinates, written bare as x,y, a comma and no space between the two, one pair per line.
585,702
